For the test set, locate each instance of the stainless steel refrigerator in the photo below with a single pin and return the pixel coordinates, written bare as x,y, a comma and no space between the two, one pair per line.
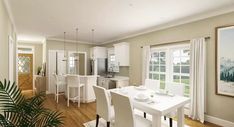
98,66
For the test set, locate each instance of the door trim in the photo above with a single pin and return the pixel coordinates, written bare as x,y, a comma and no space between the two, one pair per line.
33,52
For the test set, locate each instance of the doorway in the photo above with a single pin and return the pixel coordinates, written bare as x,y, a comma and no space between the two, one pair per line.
25,69
77,63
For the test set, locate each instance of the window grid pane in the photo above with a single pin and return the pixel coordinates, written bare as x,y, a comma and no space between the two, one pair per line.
180,67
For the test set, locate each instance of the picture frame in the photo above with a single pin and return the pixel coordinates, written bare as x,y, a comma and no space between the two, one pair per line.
224,54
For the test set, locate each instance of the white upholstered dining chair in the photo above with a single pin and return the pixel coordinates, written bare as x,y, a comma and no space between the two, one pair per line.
73,81
176,89
124,115
152,84
60,85
103,105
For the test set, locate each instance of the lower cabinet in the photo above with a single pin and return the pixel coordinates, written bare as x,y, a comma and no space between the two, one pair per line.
106,83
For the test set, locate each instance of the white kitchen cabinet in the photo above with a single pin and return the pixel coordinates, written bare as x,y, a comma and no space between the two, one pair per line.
122,53
98,52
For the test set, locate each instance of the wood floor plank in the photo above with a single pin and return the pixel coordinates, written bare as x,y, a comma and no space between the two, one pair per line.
75,117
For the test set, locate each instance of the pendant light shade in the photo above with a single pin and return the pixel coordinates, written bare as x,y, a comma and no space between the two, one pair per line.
64,46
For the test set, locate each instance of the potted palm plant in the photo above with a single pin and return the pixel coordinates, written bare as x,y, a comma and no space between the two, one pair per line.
18,111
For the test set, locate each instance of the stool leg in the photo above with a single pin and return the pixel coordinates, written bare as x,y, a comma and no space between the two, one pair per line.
67,96
144,115
57,93
78,96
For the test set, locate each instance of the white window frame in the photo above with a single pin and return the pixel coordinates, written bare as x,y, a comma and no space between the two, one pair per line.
169,60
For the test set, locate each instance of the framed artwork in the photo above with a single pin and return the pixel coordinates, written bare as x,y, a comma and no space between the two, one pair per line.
225,60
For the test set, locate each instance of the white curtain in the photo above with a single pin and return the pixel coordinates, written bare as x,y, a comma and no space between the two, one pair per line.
145,63
197,78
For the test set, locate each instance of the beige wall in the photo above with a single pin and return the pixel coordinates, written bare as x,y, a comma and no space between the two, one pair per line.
58,45
6,29
217,106
38,54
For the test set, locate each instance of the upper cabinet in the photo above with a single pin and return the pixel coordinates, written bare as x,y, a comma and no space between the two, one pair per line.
98,52
122,53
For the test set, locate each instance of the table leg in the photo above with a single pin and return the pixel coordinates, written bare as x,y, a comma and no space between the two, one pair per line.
180,116
156,121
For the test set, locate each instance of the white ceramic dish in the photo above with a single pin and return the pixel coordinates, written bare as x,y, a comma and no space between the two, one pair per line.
161,92
141,97
140,87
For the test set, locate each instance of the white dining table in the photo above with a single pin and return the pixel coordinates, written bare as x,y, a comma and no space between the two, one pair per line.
157,105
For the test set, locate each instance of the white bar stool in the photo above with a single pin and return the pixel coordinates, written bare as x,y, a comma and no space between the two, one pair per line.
73,81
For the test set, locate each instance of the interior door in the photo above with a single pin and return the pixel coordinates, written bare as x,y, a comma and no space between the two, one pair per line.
25,71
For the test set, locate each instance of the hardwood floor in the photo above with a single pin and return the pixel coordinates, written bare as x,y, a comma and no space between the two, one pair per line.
75,117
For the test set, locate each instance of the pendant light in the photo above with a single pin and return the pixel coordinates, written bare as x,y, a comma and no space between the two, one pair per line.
77,40
92,42
76,55
92,36
64,46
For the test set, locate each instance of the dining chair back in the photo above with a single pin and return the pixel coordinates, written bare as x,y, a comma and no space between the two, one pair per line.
175,88
124,116
152,84
103,104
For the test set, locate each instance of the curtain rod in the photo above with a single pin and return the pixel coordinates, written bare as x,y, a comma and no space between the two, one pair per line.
173,42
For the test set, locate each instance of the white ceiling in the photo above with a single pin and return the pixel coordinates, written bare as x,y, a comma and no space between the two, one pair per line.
111,19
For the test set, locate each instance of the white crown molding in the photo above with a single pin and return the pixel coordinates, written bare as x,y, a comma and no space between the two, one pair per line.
71,41
30,42
9,12
177,23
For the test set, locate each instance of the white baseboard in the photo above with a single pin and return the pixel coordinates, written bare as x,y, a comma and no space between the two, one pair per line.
218,121
214,120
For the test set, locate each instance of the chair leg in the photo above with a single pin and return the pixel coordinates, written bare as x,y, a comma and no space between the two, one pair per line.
78,97
67,96
144,115
83,95
55,93
170,122
97,120
108,124
165,118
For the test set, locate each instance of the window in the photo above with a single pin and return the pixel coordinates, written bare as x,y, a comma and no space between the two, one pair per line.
181,61
170,64
158,67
